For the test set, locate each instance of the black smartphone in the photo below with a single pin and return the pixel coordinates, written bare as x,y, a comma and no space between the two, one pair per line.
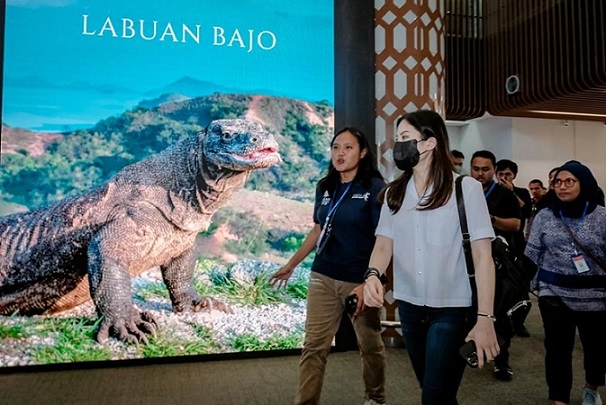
351,303
470,354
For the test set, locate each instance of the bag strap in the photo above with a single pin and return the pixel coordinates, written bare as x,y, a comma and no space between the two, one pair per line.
466,240
597,261
464,228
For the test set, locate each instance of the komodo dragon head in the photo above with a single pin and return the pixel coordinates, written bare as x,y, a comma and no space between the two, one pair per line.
239,145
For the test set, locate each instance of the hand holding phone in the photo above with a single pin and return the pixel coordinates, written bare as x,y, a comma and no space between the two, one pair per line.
351,303
470,354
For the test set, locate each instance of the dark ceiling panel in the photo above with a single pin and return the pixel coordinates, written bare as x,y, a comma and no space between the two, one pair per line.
554,50
465,84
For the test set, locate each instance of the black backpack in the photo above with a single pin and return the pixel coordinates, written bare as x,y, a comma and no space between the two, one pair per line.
512,278
512,284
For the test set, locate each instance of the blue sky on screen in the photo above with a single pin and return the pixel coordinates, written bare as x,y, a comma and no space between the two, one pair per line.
69,63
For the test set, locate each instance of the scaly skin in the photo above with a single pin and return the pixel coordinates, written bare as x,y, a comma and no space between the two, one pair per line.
147,215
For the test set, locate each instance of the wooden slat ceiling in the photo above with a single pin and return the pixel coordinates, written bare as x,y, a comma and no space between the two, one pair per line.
555,48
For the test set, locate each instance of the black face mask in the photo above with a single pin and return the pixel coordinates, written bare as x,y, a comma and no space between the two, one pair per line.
406,155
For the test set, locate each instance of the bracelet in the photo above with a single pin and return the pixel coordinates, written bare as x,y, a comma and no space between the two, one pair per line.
372,271
487,315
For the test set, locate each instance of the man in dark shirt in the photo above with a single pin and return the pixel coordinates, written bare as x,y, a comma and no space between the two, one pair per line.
505,215
507,170
537,192
503,206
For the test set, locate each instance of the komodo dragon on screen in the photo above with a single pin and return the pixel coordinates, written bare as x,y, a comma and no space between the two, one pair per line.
147,215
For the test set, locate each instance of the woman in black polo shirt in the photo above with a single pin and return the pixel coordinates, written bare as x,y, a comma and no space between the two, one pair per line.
346,214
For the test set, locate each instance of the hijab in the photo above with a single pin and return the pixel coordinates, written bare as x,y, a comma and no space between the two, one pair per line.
589,189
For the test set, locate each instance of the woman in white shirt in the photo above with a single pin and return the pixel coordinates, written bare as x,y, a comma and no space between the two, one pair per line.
419,227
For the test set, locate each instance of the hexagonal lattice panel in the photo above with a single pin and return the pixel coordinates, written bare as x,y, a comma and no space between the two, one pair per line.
409,48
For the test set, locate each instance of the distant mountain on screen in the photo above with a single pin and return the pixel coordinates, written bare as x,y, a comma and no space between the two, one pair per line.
41,105
191,87
163,99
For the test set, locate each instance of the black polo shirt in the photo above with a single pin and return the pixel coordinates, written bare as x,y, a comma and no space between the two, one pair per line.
524,195
352,239
503,203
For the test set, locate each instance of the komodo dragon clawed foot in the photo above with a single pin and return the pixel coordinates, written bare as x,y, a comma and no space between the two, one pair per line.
204,304
131,329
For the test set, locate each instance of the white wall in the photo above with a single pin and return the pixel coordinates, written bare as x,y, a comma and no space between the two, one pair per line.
493,134
536,145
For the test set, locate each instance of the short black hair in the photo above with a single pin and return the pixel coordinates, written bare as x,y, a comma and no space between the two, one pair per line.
536,181
457,154
504,164
367,167
486,154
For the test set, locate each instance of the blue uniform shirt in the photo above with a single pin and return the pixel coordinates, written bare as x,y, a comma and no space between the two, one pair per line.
352,239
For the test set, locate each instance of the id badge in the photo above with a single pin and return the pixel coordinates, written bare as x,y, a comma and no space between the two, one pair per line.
323,239
579,263
322,232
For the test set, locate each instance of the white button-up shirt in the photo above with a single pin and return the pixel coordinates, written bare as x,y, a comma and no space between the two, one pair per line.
428,260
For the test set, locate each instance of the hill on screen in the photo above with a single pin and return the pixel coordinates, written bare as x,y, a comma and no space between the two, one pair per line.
42,105
73,162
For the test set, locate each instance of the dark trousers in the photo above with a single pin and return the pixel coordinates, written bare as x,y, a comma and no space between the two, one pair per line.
560,325
433,337
502,327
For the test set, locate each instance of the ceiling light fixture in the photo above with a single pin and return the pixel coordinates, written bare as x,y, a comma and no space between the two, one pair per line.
567,113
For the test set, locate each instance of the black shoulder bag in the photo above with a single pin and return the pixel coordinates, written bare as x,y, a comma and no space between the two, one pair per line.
511,281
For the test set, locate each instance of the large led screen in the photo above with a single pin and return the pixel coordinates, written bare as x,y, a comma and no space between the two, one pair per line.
142,136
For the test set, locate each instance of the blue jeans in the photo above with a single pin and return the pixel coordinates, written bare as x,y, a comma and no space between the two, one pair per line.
433,337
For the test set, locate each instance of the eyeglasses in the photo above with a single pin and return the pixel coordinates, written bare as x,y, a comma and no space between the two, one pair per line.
557,183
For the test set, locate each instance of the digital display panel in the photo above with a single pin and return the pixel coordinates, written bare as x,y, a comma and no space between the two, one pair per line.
94,94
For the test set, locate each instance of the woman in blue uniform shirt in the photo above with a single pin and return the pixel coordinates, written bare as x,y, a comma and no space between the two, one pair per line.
346,213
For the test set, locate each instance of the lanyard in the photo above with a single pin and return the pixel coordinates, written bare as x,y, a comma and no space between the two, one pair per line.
331,208
578,225
487,193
